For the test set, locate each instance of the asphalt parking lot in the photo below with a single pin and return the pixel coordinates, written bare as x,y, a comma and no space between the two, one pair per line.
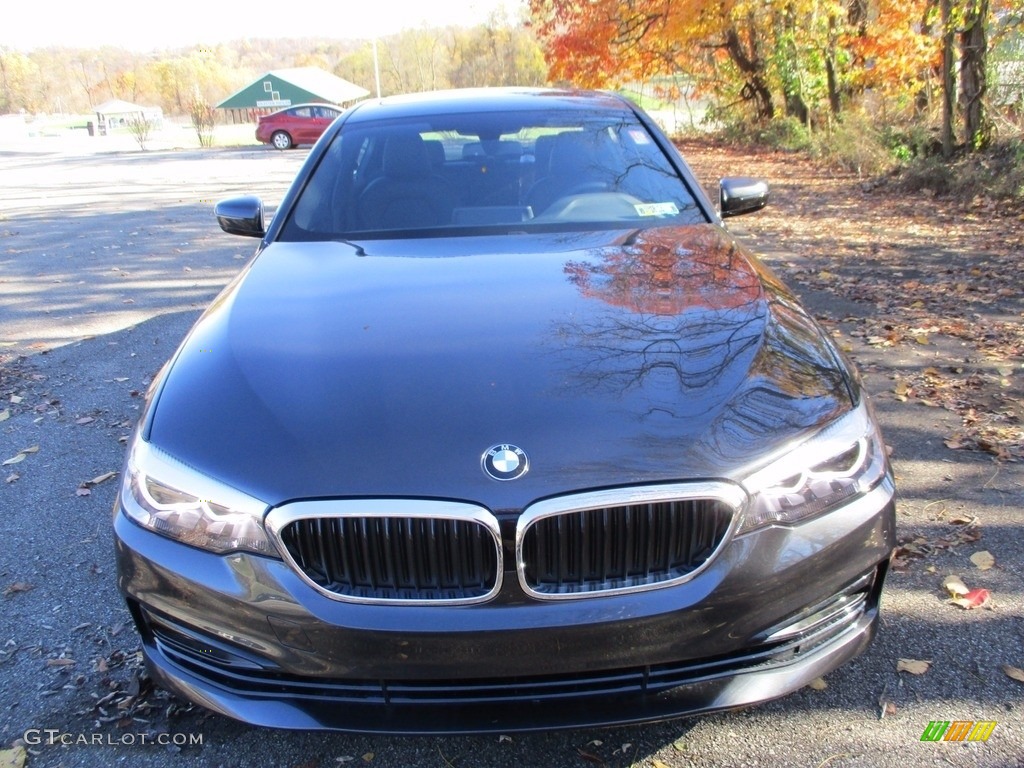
107,259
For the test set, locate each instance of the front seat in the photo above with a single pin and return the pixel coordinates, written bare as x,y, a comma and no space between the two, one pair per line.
407,194
576,165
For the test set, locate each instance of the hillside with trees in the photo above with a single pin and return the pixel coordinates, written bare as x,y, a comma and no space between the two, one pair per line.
73,80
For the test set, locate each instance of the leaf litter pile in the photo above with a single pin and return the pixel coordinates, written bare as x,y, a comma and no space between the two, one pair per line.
911,274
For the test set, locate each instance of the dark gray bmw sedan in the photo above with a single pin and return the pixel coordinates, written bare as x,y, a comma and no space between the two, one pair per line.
500,430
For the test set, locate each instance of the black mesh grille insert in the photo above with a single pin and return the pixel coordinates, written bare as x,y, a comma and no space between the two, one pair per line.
619,547
395,558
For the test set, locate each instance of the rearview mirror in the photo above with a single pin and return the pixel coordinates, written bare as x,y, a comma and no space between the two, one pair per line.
241,216
740,194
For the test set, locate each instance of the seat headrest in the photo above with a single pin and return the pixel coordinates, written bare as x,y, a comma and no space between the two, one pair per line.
574,152
405,155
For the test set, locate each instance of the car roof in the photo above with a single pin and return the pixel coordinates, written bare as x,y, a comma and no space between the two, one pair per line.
466,100
306,104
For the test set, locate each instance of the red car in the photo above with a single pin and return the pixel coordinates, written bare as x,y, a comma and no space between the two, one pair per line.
301,124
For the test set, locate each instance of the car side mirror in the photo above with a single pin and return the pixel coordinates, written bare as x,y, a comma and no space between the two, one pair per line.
740,194
241,216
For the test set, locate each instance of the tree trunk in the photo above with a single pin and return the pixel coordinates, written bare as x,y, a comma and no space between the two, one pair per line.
973,80
750,64
947,81
796,107
835,101
835,96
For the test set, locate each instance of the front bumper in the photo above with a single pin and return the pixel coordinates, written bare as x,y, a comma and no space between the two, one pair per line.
244,636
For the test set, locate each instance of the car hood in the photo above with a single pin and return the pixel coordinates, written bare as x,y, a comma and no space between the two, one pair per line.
611,358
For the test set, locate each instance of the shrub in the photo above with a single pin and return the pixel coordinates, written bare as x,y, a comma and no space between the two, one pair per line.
786,133
854,144
203,119
141,127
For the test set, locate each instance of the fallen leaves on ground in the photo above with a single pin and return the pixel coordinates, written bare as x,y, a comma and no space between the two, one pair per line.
13,757
955,586
940,280
965,531
973,598
913,666
885,704
85,488
963,595
100,479
20,456
983,560
1014,673
16,587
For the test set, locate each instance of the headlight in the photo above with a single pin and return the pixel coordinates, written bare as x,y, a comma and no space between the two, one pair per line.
844,460
169,498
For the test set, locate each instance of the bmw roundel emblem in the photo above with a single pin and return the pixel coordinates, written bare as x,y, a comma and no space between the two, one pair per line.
505,462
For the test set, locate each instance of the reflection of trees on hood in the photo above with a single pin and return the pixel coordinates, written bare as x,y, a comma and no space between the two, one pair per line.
692,306
667,271
715,343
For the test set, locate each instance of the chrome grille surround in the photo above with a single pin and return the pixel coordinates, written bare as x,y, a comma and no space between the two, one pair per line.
406,534
594,518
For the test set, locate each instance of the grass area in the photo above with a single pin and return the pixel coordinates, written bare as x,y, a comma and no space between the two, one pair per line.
644,101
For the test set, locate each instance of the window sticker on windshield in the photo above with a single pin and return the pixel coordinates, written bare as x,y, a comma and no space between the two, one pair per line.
638,136
656,209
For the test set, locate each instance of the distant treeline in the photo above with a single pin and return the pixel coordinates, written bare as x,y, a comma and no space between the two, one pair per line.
73,80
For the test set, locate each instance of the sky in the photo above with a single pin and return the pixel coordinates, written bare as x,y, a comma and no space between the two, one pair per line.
144,25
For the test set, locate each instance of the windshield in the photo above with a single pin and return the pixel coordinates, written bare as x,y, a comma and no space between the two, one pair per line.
476,173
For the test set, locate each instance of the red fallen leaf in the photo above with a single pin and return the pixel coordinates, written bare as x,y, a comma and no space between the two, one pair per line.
974,598
82,491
